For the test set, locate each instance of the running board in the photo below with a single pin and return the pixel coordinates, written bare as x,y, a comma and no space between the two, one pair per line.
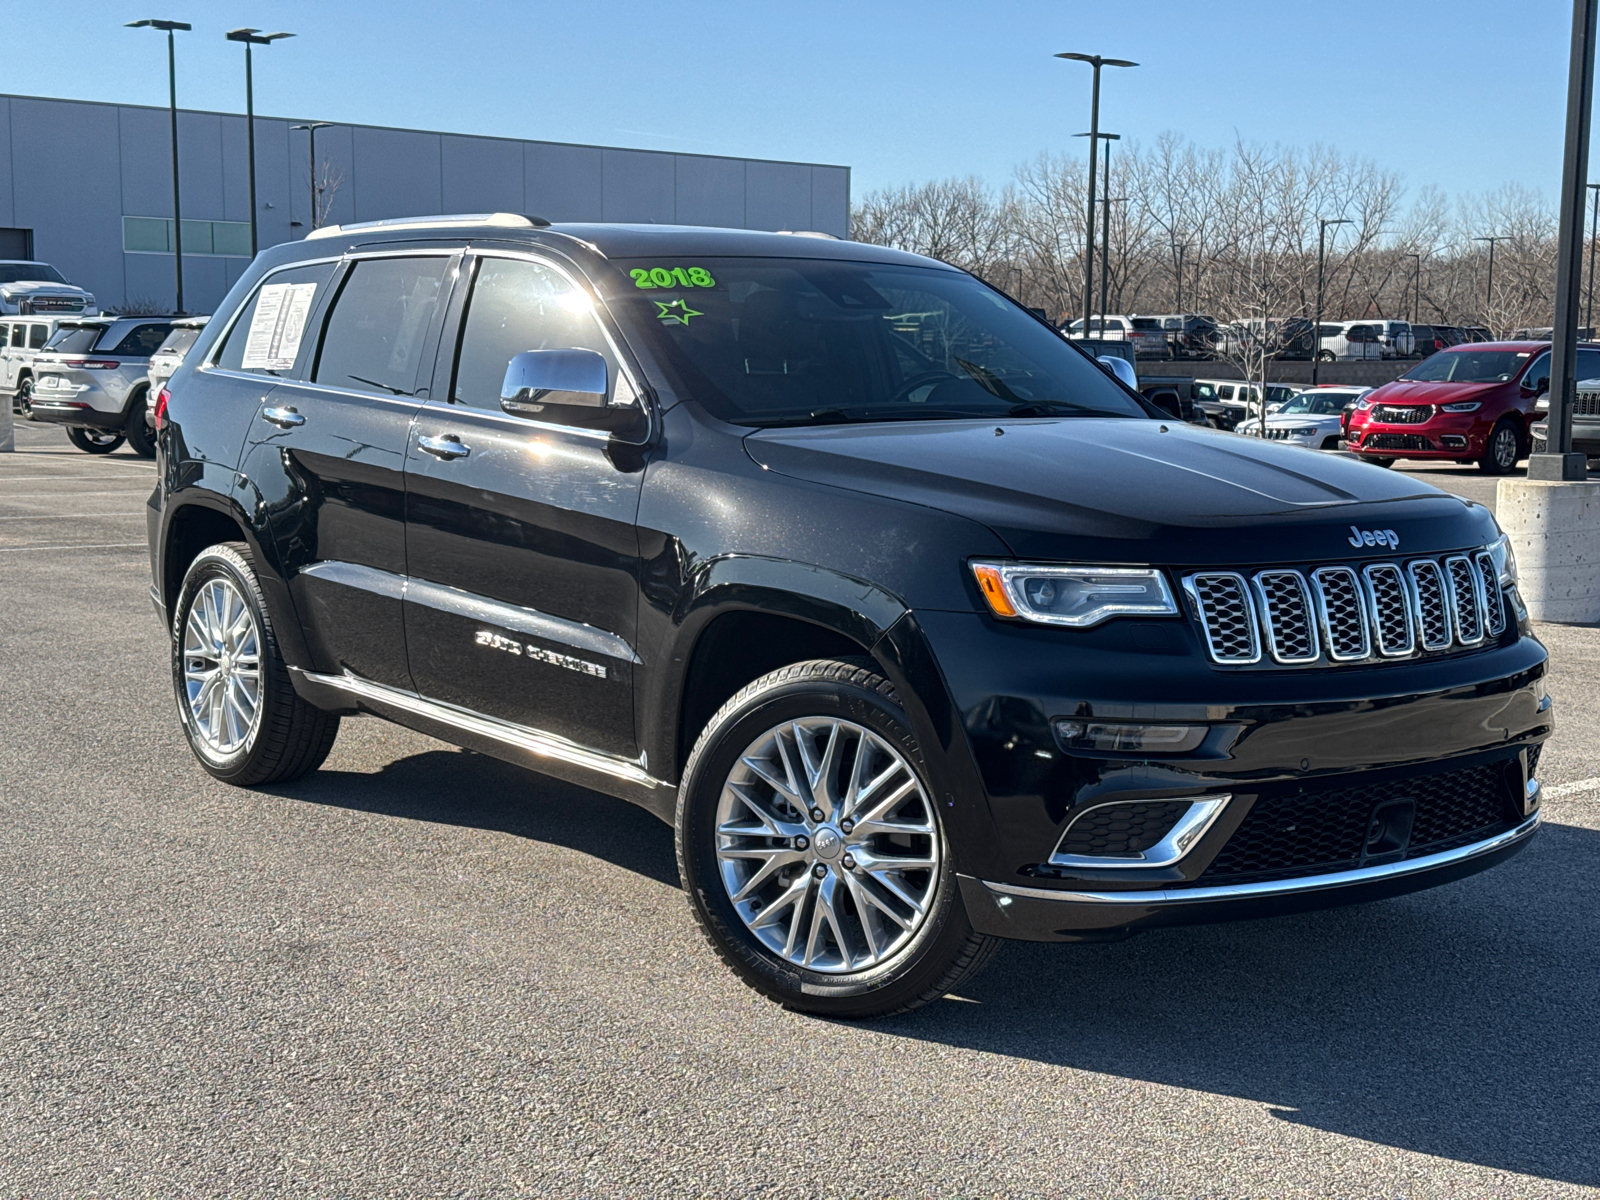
624,778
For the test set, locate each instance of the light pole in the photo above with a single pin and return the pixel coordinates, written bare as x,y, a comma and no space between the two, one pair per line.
1594,232
311,135
1178,248
1316,324
252,37
168,27
1095,61
1105,237
1416,301
1488,294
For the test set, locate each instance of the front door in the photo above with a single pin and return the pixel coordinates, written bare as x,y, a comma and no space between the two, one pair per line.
329,449
520,535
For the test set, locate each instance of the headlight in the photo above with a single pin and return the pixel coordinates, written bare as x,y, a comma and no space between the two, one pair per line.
1462,406
1075,596
1364,404
1303,431
1505,563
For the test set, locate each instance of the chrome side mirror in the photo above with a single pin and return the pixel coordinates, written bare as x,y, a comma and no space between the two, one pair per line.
1122,369
538,378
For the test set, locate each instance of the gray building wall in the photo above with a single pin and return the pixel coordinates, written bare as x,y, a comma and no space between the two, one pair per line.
71,170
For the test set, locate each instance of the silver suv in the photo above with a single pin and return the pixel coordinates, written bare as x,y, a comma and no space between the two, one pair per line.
169,357
92,377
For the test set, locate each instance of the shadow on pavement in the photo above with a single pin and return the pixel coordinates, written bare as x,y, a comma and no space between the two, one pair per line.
458,787
1462,1022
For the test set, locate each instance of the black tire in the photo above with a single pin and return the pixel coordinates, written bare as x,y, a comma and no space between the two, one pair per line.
943,951
24,400
291,737
94,441
1386,463
1502,450
141,438
1326,356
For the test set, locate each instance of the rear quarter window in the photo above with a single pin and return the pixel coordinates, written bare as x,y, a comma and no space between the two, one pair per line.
141,341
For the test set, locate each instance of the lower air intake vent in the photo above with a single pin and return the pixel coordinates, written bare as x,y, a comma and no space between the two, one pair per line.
1122,830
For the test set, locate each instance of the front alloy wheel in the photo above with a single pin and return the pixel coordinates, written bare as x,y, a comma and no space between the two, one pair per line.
1500,455
811,850
827,843
222,669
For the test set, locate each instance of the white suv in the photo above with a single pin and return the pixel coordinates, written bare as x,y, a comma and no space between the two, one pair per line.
1147,343
1346,340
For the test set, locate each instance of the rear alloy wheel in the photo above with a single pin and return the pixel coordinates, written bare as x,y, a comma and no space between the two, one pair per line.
242,716
94,441
24,403
1501,454
811,850
1325,356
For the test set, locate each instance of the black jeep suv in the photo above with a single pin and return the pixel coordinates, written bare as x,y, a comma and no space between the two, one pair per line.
919,627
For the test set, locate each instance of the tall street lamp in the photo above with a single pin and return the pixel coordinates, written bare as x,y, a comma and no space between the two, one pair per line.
168,27
311,134
252,37
1095,61
1416,297
1594,233
1105,239
1178,248
1488,295
1316,324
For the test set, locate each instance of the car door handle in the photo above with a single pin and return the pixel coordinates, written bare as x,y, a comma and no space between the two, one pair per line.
448,446
284,418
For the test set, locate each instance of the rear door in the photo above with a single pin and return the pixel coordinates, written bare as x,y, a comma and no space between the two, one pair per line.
520,534
329,451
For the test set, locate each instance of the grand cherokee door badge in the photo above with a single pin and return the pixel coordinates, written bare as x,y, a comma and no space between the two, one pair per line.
522,650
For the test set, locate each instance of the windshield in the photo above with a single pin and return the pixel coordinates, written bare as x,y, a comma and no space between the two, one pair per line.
15,272
764,341
1469,366
1314,405
71,339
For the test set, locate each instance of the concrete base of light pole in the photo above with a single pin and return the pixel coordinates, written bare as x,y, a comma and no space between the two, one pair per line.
1555,533
1567,468
8,431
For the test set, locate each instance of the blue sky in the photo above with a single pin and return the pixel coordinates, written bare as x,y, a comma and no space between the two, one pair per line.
1464,94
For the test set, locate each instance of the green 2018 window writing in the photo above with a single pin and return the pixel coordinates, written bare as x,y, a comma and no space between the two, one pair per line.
665,277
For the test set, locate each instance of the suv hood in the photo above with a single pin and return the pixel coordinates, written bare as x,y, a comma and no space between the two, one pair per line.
1417,391
1129,490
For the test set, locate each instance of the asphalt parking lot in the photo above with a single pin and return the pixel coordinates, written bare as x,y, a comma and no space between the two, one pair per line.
421,972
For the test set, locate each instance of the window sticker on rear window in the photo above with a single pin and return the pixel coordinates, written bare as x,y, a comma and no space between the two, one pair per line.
277,326
666,277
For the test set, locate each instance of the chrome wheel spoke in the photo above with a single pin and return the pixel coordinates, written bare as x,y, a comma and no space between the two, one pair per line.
221,667
828,845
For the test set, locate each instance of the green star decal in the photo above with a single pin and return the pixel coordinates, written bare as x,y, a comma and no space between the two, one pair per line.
675,310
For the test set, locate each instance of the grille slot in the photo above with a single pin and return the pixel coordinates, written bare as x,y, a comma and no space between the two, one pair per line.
1286,611
1587,404
1342,614
1223,602
1466,599
1391,610
1290,834
1433,613
1494,605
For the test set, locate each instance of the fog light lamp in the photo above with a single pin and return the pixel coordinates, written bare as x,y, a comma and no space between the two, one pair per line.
1127,738
1453,441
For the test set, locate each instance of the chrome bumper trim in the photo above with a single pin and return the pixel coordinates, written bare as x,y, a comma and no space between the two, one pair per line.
1278,887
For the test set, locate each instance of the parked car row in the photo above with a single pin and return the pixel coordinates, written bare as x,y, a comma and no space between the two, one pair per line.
1196,336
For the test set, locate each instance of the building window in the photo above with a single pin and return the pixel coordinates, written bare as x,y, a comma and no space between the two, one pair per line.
153,235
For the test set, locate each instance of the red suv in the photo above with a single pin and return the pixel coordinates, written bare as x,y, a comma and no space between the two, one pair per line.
1469,403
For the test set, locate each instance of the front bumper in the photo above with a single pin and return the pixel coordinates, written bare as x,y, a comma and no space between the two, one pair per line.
1047,915
1442,437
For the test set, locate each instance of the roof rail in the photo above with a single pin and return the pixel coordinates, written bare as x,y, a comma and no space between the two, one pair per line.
832,237
497,220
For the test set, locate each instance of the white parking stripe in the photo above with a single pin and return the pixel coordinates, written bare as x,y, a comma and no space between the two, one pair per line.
68,516
1563,790
95,546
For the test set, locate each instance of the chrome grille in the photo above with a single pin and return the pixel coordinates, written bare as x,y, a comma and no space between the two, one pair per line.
1339,606
1286,612
1494,605
1466,601
1402,414
1223,602
1345,614
1391,610
1587,404
1433,613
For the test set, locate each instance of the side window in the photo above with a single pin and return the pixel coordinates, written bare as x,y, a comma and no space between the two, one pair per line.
38,335
1541,369
515,306
277,321
1225,391
19,334
142,341
374,338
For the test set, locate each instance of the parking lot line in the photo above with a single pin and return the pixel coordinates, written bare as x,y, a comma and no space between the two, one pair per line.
69,516
1560,791
91,546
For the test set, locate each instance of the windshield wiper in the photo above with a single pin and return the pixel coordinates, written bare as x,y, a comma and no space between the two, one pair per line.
988,380
830,416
